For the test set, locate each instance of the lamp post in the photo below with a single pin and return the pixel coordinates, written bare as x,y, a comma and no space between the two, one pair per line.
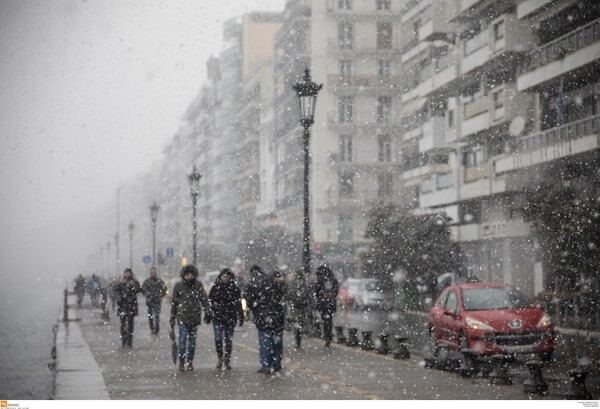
117,250
131,227
307,91
194,179
153,216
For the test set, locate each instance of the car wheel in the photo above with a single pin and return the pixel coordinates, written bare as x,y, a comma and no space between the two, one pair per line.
546,357
433,342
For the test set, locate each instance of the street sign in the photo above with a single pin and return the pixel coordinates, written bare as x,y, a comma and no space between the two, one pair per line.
147,259
170,252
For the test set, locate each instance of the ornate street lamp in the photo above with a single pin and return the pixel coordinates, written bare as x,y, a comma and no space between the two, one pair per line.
153,216
194,179
131,227
307,91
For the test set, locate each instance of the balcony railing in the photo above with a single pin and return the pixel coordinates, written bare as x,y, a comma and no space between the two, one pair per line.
562,46
570,131
363,81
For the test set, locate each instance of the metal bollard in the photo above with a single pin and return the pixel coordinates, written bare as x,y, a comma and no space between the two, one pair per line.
382,347
401,351
499,375
468,367
341,339
535,382
577,389
367,343
352,338
66,306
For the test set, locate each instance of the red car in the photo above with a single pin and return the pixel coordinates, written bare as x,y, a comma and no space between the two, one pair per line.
490,318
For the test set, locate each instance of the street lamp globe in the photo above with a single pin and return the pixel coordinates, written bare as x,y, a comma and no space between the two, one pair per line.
154,211
194,179
307,91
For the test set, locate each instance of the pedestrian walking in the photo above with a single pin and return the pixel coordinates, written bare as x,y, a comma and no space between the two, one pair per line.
265,299
93,288
126,291
226,307
79,289
189,298
154,289
300,301
326,289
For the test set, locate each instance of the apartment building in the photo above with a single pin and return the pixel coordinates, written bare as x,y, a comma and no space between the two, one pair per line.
484,83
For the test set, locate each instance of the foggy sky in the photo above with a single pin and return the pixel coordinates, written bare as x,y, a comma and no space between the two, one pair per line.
90,92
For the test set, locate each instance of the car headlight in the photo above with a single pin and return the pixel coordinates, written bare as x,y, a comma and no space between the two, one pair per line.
476,324
544,321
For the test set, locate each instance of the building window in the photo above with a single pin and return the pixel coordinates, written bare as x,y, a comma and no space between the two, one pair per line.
346,148
345,227
345,35
344,4
499,99
384,109
474,157
385,185
427,186
345,107
384,148
346,185
384,35
346,68
383,68
450,116
499,30
382,4
445,180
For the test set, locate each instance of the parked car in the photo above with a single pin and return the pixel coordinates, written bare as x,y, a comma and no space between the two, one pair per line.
490,318
347,292
371,294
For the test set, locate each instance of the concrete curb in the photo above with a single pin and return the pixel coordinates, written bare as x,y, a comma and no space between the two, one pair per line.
78,375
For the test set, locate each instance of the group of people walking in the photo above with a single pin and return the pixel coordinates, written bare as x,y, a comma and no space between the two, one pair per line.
269,298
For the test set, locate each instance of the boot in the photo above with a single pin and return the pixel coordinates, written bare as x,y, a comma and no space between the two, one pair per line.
219,349
227,360
181,366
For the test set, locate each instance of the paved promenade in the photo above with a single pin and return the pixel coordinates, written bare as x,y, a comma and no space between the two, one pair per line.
91,364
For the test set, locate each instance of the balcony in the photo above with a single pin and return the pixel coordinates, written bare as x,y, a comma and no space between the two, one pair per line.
581,46
415,176
363,81
501,105
504,42
434,134
434,23
412,8
563,141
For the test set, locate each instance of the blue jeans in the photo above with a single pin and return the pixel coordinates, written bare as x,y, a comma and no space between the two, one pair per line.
187,333
153,310
223,331
270,347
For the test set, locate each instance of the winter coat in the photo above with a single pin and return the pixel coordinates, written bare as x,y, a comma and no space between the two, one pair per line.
300,300
188,301
154,289
126,293
265,299
326,291
226,302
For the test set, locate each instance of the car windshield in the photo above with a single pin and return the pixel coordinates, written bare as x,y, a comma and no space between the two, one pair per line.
494,298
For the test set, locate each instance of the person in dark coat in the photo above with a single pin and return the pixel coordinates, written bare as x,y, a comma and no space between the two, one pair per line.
154,289
326,289
189,297
79,289
265,299
301,305
226,306
126,291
